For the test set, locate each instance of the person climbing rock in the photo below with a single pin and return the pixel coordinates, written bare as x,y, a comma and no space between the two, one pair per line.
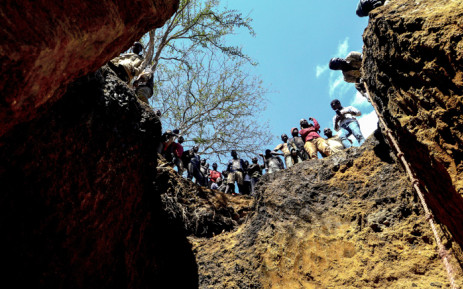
255,172
297,143
334,142
272,162
313,141
284,148
214,174
128,65
235,170
365,6
345,122
144,85
351,69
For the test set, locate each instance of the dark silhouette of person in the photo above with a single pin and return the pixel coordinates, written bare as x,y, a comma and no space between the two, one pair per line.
255,172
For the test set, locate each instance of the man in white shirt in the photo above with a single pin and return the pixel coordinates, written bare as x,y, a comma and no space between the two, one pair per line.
345,122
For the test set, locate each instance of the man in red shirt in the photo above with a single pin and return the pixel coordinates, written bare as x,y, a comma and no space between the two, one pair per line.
214,174
313,141
177,150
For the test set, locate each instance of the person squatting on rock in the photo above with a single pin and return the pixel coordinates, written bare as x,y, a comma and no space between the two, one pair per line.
285,150
235,170
365,6
345,122
128,65
214,175
334,142
272,162
297,143
351,69
313,141
144,85
255,172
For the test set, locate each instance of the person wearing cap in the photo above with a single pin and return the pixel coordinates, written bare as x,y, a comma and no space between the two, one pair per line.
284,148
297,143
313,141
345,122
334,142
128,65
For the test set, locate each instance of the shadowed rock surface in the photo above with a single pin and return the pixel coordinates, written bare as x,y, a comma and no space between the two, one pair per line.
413,62
79,207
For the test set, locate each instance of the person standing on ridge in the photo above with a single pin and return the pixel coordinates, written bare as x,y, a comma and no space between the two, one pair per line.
235,170
177,149
297,143
272,162
313,141
255,172
345,122
285,150
214,174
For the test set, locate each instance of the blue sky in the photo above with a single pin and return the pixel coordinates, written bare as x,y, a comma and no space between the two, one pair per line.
295,39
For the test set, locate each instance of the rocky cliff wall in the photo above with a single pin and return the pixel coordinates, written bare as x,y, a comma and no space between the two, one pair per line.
45,45
413,65
348,221
79,206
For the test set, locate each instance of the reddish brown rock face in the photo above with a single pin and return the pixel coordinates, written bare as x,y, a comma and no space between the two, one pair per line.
47,44
413,64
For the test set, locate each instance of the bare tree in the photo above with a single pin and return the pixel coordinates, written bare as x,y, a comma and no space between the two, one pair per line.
202,85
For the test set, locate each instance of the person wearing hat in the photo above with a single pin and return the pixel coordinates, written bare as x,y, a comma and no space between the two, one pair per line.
128,65
313,141
345,122
334,142
235,170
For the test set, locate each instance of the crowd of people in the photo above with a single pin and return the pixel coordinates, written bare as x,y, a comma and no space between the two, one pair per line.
305,144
